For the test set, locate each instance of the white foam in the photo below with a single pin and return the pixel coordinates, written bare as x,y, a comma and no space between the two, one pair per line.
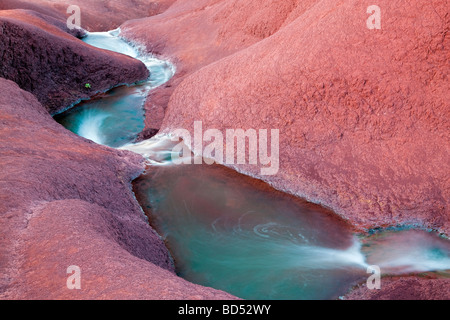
157,150
409,251
90,126
328,258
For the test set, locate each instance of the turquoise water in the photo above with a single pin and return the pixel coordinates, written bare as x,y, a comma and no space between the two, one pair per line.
237,234
234,233
113,120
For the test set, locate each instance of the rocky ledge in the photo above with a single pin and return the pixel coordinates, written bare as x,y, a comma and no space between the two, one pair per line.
56,67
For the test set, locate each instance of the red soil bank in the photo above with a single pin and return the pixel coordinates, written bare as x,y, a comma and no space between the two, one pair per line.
67,201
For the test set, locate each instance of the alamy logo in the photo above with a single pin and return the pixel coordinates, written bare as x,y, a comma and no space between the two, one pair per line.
74,21
74,280
229,149
374,281
374,21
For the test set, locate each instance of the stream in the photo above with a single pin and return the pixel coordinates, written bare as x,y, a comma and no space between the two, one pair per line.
235,233
116,118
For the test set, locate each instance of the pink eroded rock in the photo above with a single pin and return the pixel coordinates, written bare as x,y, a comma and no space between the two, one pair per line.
363,115
98,15
193,34
67,201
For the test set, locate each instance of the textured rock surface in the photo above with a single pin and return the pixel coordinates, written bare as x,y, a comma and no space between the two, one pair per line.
54,65
409,288
52,18
193,34
363,114
98,15
67,201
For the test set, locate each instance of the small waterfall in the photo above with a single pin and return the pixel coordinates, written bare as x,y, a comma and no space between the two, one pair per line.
90,124
408,251
157,150
161,71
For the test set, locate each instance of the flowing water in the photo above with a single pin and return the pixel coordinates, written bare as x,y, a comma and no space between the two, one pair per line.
116,118
236,233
